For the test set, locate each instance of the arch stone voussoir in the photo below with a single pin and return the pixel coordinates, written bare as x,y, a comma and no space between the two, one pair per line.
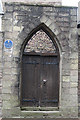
54,27
43,19
48,22
51,24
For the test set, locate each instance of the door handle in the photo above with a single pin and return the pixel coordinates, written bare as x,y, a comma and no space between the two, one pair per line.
44,81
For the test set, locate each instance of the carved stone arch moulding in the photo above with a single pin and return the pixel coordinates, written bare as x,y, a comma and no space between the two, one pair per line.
45,29
47,23
40,42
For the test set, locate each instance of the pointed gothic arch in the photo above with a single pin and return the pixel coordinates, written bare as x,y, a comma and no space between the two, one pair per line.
40,69
47,30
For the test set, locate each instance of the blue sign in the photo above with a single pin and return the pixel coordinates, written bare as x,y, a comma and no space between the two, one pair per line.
8,44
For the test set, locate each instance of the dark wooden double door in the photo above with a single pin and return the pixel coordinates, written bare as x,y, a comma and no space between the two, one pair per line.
40,81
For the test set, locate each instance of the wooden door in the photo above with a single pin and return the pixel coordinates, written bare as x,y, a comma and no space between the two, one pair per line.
30,80
49,81
40,81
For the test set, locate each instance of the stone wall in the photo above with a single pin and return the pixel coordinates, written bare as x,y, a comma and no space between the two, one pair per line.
52,2
78,21
18,21
79,74
1,70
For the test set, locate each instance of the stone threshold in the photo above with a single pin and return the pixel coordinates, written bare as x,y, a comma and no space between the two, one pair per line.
40,119
39,109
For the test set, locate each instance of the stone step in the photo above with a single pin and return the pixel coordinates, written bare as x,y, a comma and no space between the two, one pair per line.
40,119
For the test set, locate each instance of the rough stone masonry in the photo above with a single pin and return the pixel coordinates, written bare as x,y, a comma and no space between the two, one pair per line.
18,21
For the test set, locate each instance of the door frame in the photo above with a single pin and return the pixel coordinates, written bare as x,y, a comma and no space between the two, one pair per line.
58,49
40,108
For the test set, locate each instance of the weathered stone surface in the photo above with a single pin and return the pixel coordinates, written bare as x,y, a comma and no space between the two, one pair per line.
66,78
74,66
1,41
22,20
74,84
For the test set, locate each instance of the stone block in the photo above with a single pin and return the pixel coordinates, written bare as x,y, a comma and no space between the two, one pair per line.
48,22
31,26
65,29
8,16
52,26
73,84
48,9
66,25
0,74
14,64
56,31
6,83
51,15
66,72
6,105
74,24
7,53
43,19
6,97
44,114
65,91
8,22
60,19
65,97
8,35
7,58
66,20
74,66
9,8
74,18
0,89
15,112
14,70
64,15
74,55
8,28
7,71
16,53
73,100
74,61
7,65
65,84
25,8
74,73
66,67
6,90
18,8
74,91
6,113
74,78
6,77
66,111
74,12
74,111
17,28
65,103
14,36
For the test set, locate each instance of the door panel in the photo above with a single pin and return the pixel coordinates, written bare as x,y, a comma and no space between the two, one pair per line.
49,76
40,81
30,77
